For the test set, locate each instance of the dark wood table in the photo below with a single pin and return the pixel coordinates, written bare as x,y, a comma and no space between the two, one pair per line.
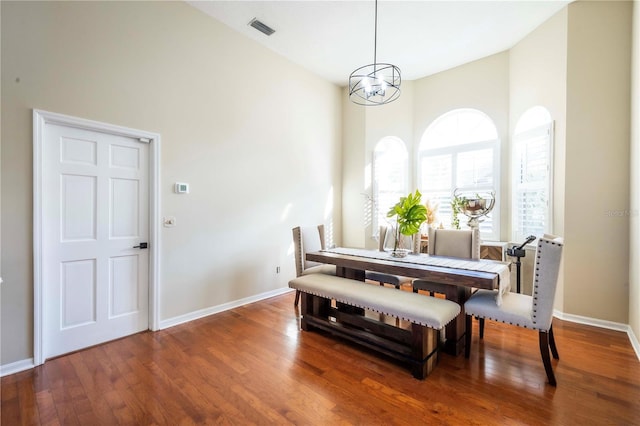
458,282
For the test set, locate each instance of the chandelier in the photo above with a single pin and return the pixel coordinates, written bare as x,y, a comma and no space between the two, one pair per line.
376,83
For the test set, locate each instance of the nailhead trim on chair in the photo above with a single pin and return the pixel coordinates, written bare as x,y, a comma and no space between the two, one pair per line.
537,274
535,287
299,260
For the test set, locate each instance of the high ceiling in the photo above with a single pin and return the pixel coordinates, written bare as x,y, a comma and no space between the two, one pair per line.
332,38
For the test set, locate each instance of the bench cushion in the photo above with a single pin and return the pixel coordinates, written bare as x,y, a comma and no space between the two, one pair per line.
419,309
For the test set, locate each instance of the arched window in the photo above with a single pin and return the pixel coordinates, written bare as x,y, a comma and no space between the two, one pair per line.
390,177
532,171
461,150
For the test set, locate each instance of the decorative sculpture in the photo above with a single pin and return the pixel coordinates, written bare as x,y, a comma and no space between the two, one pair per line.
475,206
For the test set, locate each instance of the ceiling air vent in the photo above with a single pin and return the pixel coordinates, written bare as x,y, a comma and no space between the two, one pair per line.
265,29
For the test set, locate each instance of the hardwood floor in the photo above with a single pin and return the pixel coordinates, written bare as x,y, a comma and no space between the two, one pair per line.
253,365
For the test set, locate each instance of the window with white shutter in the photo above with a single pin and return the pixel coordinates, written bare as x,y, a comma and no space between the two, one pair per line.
390,178
532,173
461,150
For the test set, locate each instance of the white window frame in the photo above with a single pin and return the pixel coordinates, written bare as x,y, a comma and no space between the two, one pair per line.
454,151
540,132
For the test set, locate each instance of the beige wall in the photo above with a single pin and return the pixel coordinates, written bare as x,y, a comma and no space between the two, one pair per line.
482,85
596,257
257,137
538,77
634,253
353,175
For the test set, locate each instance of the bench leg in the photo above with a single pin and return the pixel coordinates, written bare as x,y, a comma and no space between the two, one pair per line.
313,306
424,350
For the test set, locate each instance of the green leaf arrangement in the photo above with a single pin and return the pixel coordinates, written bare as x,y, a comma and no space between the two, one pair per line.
457,205
410,213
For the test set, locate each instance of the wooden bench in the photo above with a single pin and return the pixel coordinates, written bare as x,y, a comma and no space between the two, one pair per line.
416,346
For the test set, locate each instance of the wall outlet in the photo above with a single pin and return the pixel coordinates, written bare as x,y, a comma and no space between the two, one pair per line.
169,221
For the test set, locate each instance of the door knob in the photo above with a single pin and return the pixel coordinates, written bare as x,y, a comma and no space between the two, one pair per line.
141,246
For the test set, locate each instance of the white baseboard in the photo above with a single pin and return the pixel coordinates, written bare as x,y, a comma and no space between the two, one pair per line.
181,319
16,367
634,342
617,326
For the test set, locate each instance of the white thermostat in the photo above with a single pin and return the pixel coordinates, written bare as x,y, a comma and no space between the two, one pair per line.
182,188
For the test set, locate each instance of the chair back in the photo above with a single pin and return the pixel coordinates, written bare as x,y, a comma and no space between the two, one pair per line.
462,243
387,239
545,279
306,239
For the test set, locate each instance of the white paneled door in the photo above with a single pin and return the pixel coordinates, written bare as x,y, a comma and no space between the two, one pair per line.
95,228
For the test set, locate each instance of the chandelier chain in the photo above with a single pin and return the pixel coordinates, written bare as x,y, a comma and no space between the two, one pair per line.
375,35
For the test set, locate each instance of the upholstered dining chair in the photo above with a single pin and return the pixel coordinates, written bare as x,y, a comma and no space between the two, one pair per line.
309,239
461,243
535,312
387,239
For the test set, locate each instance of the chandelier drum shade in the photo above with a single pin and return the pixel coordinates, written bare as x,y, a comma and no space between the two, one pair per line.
376,83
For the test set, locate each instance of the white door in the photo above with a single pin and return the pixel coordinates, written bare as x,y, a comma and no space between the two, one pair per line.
95,204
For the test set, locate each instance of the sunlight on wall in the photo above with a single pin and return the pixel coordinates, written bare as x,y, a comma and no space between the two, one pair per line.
367,177
367,205
368,209
285,212
328,215
328,207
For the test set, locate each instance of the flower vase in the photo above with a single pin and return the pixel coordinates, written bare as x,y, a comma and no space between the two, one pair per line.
402,247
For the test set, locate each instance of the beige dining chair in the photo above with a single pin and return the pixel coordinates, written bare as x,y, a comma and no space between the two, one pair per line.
534,312
460,243
308,239
387,239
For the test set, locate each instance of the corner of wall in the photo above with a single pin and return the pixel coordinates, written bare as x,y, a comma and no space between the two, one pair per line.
634,243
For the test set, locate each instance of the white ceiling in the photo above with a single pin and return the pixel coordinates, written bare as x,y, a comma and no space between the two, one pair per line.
333,38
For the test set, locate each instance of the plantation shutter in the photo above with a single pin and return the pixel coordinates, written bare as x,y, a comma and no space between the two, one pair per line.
531,196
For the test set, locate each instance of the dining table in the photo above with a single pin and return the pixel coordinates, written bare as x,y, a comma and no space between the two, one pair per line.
457,277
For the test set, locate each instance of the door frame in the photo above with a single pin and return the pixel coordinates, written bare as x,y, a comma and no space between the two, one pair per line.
40,120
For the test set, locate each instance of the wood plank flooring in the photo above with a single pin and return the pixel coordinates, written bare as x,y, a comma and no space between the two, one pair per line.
253,365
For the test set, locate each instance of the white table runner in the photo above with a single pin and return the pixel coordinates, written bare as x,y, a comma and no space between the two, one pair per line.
501,269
